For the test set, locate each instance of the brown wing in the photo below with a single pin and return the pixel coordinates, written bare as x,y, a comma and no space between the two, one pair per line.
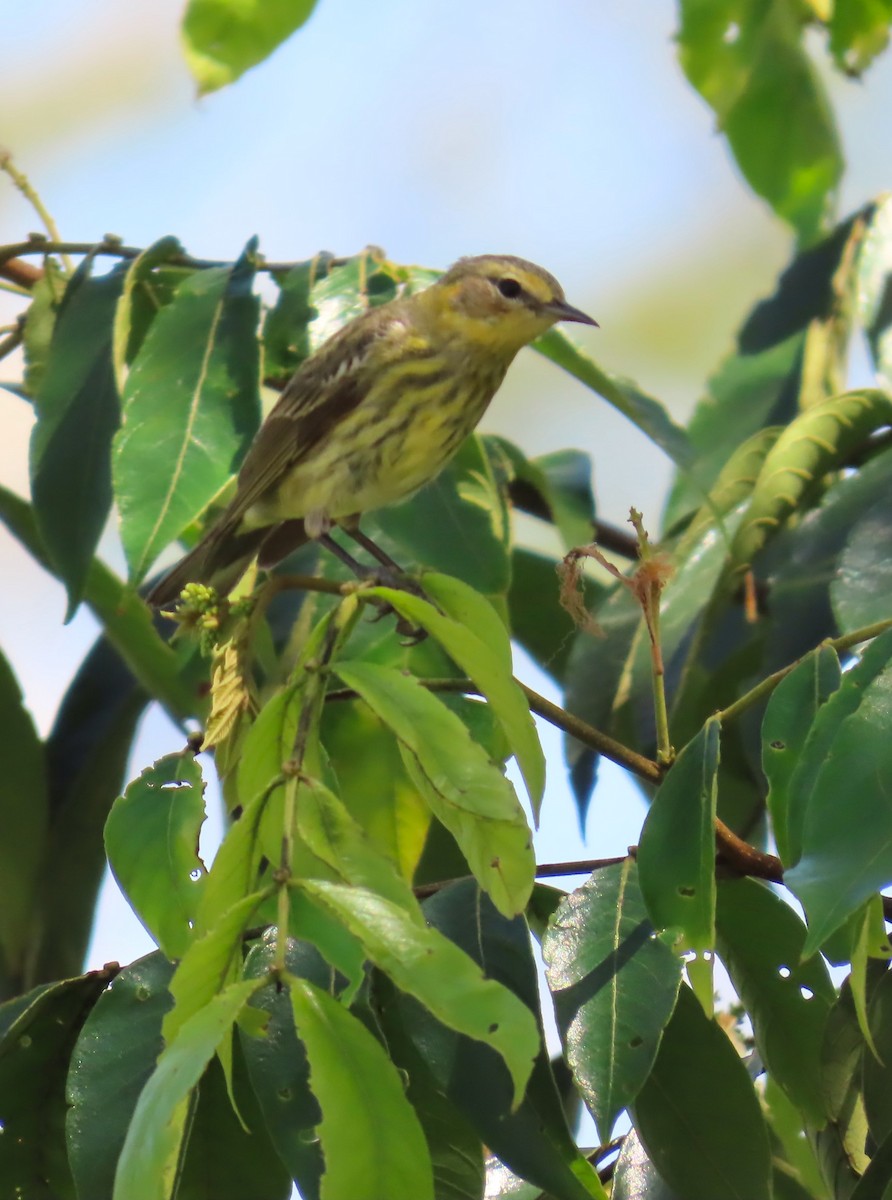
323,390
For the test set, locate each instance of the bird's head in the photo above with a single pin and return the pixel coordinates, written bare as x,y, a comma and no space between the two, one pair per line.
499,303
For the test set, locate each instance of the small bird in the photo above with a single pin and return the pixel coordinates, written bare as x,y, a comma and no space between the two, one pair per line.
373,414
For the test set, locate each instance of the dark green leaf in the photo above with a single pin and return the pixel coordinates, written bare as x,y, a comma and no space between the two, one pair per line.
286,338
374,1149
190,408
277,1062
532,1140
748,62
860,591
229,1156
34,1054
87,752
793,706
151,838
614,986
222,39
676,853
77,406
127,622
554,487
698,1114
24,819
760,939
156,1133
455,1149
877,1068
114,1057
635,1176
875,275
846,849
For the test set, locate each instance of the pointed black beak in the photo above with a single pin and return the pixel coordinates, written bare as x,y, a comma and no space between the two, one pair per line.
562,311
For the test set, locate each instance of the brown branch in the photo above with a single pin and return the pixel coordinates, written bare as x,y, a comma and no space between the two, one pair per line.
20,272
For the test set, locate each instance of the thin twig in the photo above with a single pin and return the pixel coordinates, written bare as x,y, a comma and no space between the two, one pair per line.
770,682
24,185
113,248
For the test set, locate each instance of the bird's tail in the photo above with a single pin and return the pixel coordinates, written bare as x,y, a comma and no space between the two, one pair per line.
219,559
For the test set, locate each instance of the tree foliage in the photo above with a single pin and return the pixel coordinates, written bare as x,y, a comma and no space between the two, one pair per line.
346,995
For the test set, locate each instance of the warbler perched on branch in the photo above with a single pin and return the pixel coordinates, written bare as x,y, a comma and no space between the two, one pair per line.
374,413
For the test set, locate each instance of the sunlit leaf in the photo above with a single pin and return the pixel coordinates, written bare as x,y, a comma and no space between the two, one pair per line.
614,986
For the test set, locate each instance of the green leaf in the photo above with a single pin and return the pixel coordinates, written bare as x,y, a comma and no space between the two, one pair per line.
146,290
532,1139
24,818
814,443
114,1057
614,986
877,1068
372,1149
458,523
760,939
373,784
635,1177
860,591
846,849
426,965
487,666
223,38
676,853
148,1163
791,711
151,838
330,832
39,1032
840,1146
748,62
455,1148
859,31
40,322
464,789
642,410
556,487
698,1114
748,393
277,1061
190,408
874,273
794,1155
127,622
224,1158
286,337
209,965
77,405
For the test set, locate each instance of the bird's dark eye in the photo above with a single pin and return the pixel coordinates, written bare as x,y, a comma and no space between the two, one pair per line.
509,288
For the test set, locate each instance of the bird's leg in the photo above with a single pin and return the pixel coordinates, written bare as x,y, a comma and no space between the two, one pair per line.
410,633
372,547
